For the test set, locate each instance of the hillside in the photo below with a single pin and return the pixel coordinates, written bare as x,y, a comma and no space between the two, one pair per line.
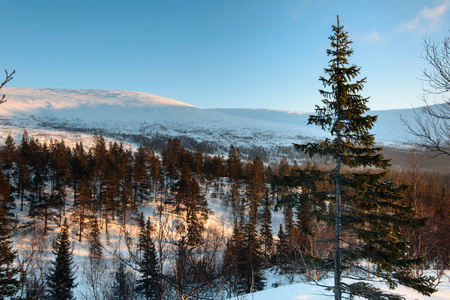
104,182
115,187
133,113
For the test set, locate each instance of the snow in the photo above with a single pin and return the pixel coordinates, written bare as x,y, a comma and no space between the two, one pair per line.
48,114
285,287
121,112
313,291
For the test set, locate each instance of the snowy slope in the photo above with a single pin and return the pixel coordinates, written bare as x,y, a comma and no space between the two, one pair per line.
121,112
311,291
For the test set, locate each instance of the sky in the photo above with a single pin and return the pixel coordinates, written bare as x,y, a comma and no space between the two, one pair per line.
220,53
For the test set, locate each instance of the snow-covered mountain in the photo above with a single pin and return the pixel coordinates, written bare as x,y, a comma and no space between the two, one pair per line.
122,113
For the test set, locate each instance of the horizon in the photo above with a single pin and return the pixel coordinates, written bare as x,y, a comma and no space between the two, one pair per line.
189,104
254,54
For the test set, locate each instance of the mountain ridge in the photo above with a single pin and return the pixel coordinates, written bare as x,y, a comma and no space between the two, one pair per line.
116,112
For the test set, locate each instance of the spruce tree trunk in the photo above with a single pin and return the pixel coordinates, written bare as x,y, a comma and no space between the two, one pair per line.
337,238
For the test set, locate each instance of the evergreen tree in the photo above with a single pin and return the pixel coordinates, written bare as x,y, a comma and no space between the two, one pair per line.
140,175
6,198
9,282
256,188
95,244
21,170
124,170
149,282
367,210
190,199
42,204
250,261
95,267
243,259
8,153
122,288
266,227
233,163
99,174
82,206
61,275
59,156
198,162
281,252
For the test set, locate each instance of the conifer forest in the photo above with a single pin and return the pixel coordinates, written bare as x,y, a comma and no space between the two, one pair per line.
110,221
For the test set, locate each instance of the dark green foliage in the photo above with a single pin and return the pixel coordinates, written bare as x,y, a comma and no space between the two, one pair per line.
6,198
148,284
95,244
21,171
245,261
266,228
281,255
122,288
61,275
190,200
365,210
9,282
255,188
141,175
8,153
233,163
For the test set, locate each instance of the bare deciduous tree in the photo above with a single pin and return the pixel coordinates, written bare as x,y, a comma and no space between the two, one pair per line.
432,128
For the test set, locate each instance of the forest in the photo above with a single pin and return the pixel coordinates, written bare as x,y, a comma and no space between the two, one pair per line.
180,224
114,222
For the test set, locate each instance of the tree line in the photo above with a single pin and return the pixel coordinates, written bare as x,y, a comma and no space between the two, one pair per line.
181,257
350,217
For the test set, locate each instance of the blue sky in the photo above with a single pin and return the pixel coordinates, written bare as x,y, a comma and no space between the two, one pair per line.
219,53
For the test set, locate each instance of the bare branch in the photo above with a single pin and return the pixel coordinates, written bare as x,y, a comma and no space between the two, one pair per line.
431,123
9,77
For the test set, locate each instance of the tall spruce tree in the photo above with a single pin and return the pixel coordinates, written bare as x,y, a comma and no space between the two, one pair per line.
61,275
148,284
364,211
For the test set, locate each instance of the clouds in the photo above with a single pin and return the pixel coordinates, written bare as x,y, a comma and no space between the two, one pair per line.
428,20
425,21
374,37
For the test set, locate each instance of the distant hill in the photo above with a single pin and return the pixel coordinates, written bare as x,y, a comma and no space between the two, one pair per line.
136,117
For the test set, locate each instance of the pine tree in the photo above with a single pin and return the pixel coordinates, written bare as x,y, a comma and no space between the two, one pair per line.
95,266
59,168
21,171
8,152
250,261
9,282
256,188
190,199
141,175
198,162
367,210
6,198
42,203
122,286
233,163
281,253
95,243
61,275
266,228
148,284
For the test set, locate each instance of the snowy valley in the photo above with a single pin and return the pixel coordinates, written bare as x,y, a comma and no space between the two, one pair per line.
194,197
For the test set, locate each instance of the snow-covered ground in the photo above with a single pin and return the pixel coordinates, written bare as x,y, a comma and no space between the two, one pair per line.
311,291
283,287
73,115
122,112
